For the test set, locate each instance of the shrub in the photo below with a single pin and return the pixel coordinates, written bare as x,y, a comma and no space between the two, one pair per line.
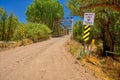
79,38
33,31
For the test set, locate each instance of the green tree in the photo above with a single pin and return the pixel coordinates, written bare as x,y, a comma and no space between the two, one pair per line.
12,24
45,12
35,32
3,20
7,24
105,20
78,31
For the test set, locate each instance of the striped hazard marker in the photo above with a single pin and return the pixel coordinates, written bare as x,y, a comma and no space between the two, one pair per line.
86,32
22,30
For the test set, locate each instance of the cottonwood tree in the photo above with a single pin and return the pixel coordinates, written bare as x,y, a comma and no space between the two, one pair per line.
45,11
107,18
8,23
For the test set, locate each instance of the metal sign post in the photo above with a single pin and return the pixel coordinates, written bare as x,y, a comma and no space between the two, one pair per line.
86,36
88,20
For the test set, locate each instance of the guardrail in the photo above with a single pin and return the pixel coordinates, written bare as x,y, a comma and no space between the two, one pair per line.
112,53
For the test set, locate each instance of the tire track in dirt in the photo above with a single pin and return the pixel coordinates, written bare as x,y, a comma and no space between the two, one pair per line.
24,59
47,60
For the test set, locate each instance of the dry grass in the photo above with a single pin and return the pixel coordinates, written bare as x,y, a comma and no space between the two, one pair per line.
27,41
73,47
12,44
100,67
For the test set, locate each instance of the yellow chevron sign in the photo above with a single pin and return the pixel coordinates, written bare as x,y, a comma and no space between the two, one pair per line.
86,33
22,30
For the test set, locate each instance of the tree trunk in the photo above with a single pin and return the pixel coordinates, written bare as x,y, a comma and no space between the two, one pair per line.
105,45
110,38
108,44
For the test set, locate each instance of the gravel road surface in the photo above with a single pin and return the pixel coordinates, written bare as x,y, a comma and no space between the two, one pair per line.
47,60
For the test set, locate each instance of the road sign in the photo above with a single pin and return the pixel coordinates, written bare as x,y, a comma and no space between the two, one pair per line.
86,33
22,30
89,18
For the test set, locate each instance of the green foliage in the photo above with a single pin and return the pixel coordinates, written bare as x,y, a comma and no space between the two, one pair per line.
16,35
78,31
7,25
106,27
74,5
33,31
115,30
45,12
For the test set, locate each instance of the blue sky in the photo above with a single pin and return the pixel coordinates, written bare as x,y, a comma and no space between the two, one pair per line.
19,8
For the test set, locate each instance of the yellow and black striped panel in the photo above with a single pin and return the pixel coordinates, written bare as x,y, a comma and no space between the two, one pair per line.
22,30
86,33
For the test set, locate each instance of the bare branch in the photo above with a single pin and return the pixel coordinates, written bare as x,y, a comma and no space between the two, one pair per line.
91,6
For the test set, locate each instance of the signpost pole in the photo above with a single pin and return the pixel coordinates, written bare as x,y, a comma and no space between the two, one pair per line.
88,20
84,46
86,36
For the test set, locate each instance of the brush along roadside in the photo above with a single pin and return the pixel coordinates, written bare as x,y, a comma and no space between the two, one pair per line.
95,63
12,44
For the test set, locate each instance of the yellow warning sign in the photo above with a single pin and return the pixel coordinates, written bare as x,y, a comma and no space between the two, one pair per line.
86,33
22,30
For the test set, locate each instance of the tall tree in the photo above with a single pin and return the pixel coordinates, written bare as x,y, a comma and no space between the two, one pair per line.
45,11
1,14
7,24
105,13
3,19
12,24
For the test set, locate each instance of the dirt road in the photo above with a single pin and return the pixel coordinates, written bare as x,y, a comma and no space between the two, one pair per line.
47,60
